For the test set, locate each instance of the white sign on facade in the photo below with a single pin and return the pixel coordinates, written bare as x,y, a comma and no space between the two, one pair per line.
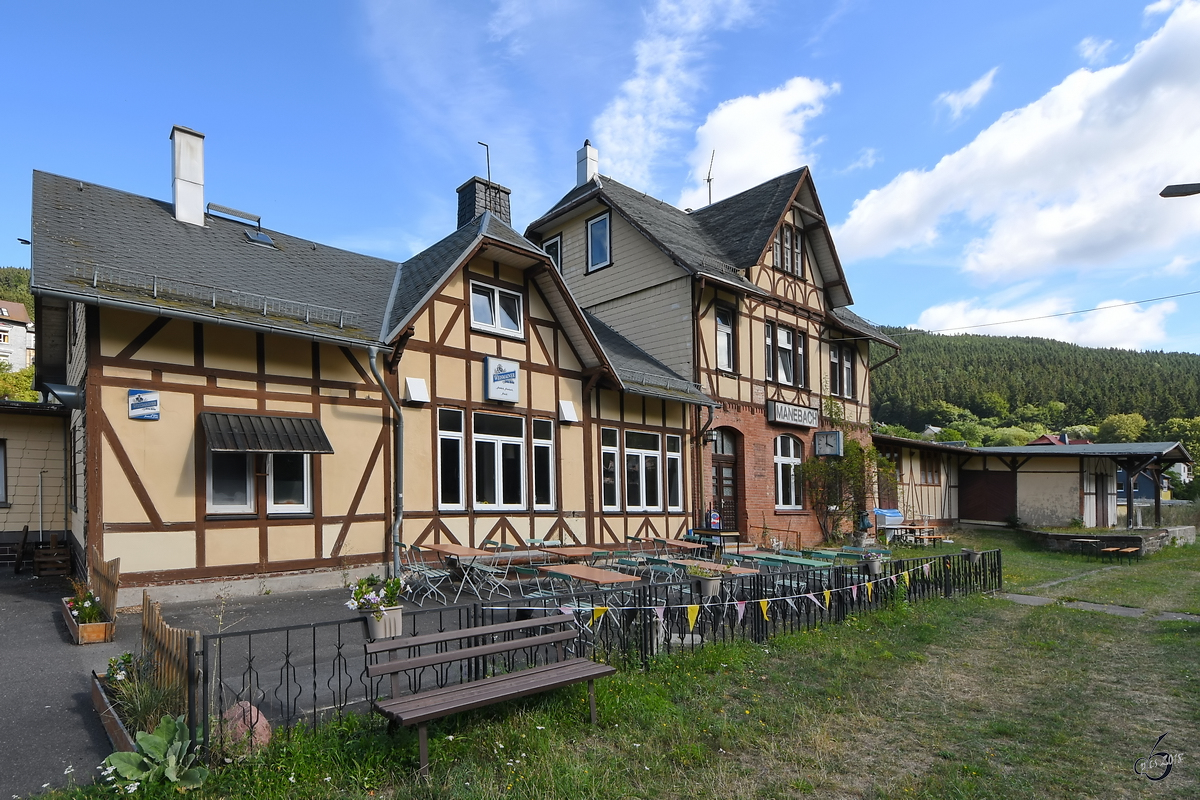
792,415
501,380
143,405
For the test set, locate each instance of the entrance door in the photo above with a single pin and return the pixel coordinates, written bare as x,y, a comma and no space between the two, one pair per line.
1102,520
724,480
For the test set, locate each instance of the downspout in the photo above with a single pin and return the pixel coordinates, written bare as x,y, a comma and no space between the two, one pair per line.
373,355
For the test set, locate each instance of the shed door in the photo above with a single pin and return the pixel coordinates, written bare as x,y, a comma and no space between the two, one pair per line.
988,496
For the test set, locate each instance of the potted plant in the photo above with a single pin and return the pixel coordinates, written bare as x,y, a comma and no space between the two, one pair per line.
710,580
873,563
85,616
972,555
379,602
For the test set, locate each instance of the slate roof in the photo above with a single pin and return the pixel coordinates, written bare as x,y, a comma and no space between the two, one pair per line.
640,372
97,244
1168,452
853,322
722,239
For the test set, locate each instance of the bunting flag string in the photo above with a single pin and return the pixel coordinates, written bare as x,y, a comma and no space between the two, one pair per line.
791,603
741,609
870,586
692,612
816,602
598,612
925,568
854,591
660,612
764,604
827,596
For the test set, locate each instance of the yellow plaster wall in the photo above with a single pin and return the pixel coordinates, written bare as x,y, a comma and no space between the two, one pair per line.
352,430
224,547
120,502
290,407
451,378
541,394
420,465
152,552
336,367
572,460
364,538
230,348
33,444
287,356
566,356
290,543
222,401
162,452
174,344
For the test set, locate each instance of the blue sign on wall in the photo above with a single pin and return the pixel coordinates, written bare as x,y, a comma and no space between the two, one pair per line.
143,405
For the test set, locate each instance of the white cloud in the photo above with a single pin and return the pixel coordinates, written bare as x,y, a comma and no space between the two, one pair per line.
1161,7
755,138
968,98
653,106
1131,327
868,158
1178,266
1094,51
1069,181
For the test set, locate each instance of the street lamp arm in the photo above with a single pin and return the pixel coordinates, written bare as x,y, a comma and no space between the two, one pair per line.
1180,190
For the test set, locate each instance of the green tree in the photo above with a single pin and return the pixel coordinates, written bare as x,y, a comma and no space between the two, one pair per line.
1089,432
1182,430
1121,428
992,404
949,435
1008,437
17,385
838,488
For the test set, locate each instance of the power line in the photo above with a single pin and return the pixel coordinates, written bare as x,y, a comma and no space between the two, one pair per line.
1051,316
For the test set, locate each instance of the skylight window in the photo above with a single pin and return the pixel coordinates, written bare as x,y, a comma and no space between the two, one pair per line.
258,237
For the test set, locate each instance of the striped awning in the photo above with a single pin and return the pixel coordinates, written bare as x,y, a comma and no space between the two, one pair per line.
258,433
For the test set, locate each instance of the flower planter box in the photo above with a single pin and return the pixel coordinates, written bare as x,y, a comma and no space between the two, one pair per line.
972,555
117,734
873,566
709,587
87,632
390,625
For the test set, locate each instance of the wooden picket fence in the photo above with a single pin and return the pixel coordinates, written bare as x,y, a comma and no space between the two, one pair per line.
104,576
165,646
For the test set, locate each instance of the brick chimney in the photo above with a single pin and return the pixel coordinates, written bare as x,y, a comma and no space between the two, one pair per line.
187,174
477,195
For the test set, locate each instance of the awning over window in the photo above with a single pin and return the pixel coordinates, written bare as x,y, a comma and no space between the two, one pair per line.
256,433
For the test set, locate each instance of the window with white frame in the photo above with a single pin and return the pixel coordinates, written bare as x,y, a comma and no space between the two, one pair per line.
841,370
450,459
289,488
786,355
553,248
798,254
499,448
769,354
496,310
787,248
674,473
230,483
801,360
725,341
4,471
610,485
777,249
599,242
543,464
788,476
642,475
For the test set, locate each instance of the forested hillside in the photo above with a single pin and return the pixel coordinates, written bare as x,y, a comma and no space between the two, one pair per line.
990,375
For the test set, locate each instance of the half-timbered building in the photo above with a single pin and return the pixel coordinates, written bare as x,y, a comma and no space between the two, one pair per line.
747,297
245,403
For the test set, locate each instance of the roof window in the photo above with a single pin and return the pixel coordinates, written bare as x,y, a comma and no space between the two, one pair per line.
256,236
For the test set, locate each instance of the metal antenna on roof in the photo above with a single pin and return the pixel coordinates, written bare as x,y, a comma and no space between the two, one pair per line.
490,190
708,180
487,153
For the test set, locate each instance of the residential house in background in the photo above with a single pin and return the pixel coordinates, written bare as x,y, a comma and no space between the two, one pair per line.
745,297
32,474
16,335
924,485
245,403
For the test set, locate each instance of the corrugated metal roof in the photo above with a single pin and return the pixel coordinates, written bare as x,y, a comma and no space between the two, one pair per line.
258,433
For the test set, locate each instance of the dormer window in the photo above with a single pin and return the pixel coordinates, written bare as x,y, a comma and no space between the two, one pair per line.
599,240
553,248
787,250
496,310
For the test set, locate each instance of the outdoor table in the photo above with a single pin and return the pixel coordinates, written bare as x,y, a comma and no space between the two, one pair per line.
682,545
726,569
1093,545
569,551
465,556
797,560
593,575
909,533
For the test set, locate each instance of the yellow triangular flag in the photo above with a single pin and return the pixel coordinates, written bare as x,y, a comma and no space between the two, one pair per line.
598,612
870,586
764,604
827,598
693,612
904,577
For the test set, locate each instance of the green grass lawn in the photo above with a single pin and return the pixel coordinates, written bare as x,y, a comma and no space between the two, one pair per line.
1168,580
969,698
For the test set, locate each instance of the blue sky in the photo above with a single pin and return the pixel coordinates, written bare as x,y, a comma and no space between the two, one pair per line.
980,162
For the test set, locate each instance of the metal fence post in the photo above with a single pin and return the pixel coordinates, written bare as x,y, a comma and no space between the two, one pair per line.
191,689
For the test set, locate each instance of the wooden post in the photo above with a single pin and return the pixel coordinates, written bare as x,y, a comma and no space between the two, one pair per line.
423,750
1156,473
1130,486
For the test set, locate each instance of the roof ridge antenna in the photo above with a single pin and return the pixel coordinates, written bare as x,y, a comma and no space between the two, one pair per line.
708,180
491,189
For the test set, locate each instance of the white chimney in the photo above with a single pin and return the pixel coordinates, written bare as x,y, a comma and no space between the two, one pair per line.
187,174
587,163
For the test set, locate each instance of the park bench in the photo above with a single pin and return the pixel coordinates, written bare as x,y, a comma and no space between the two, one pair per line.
472,647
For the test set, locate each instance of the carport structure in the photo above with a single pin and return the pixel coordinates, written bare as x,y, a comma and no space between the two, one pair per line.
1027,472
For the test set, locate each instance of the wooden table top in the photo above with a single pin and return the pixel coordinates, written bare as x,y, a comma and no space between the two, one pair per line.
682,545
591,574
456,550
727,569
570,551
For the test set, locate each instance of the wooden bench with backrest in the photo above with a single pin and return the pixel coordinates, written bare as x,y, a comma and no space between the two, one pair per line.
473,646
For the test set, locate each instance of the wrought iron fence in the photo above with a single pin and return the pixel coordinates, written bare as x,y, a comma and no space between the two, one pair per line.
302,675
